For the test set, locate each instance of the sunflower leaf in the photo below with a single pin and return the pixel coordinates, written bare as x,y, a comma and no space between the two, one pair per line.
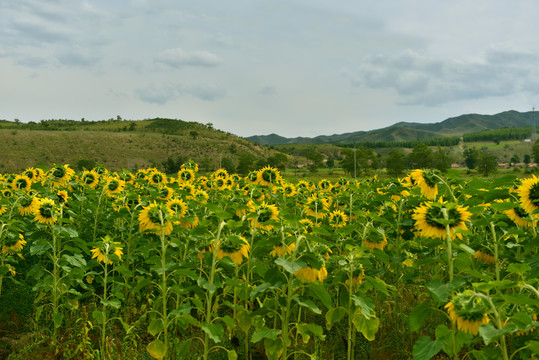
425,348
290,266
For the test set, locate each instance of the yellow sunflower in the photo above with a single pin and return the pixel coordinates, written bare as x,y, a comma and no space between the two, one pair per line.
90,178
529,194
324,184
263,213
316,207
484,257
156,177
186,175
21,182
309,274
520,217
268,176
15,247
114,186
45,211
428,218
235,247
468,312
220,173
178,207
155,218
338,218
31,173
288,190
27,204
280,250
191,165
61,174
107,248
426,181
62,196
165,193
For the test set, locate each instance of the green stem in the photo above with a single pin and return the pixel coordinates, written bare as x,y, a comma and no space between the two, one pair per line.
104,316
497,318
164,290
209,294
350,324
287,309
97,214
495,238
449,243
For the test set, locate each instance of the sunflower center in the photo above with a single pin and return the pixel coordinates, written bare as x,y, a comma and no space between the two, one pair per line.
113,185
521,213
46,210
26,201
58,172
435,213
186,175
89,179
264,215
534,194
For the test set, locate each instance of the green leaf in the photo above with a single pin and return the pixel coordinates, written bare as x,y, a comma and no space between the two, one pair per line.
378,284
308,304
115,303
231,354
365,304
439,291
76,260
274,348
519,269
57,318
489,333
308,330
319,292
418,315
368,327
289,266
202,282
214,331
155,327
157,349
425,348
533,345
265,333
335,315
245,320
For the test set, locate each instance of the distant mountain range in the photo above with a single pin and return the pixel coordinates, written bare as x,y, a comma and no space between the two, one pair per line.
406,131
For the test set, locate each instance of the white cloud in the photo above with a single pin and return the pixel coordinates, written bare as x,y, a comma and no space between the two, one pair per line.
180,58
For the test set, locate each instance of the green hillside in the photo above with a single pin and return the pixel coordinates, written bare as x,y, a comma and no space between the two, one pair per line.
120,144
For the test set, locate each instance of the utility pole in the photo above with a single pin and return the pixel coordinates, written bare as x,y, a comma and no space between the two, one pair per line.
534,135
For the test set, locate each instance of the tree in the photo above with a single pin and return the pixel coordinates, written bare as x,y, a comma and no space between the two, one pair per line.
535,151
317,160
330,162
278,161
487,163
471,157
527,159
228,165
440,161
395,162
420,157
365,159
246,163
515,159
206,163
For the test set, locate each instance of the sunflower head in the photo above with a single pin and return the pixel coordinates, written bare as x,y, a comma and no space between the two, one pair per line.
156,177
21,182
268,176
114,186
263,215
427,181
45,211
430,220
107,251
529,194
89,178
219,173
191,165
155,218
235,247
338,218
468,311
62,197
186,175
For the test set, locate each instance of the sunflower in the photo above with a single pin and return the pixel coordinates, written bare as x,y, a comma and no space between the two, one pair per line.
376,240
90,178
31,174
324,184
316,207
468,312
235,247
107,248
268,176
220,173
280,250
426,181
27,204
484,257
337,218
62,197
221,183
310,274
520,217
308,225
45,211
178,207
154,218
288,190
186,175
429,219
304,186
21,182
252,176
191,165
263,213
529,194
16,247
61,174
156,177
201,196
165,193
114,186
357,278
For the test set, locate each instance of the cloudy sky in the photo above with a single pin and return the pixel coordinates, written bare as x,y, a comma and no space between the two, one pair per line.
250,67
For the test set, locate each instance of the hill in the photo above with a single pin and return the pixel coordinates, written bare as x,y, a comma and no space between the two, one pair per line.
120,144
407,131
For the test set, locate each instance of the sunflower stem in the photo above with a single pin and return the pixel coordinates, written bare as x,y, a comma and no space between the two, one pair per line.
449,243
495,238
497,318
104,311
164,290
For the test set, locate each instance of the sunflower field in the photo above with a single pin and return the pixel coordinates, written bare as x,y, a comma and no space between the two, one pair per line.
144,265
